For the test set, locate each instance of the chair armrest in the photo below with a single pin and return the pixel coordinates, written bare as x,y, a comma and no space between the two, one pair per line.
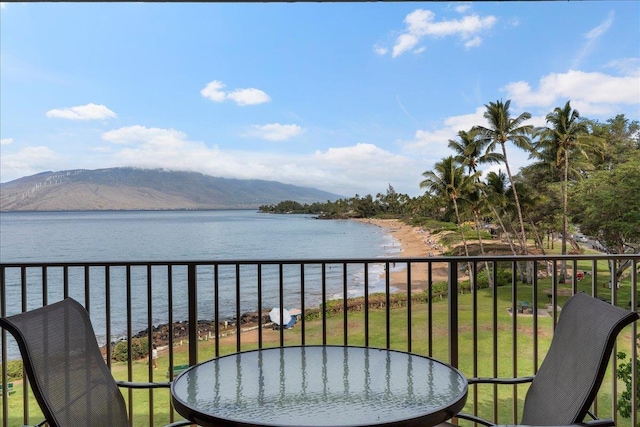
482,380
475,419
180,423
499,381
128,384
40,424
598,423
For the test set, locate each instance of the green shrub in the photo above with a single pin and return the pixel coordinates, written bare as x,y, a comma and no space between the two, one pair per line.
504,278
139,349
14,370
624,374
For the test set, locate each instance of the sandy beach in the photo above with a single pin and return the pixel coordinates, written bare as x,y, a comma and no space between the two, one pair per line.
415,243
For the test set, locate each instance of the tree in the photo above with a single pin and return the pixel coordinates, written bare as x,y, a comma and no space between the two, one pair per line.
624,373
545,182
470,151
565,138
502,129
607,207
621,136
558,148
449,180
495,189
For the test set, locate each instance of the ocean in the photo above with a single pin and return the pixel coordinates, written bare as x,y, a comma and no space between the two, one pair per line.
131,236
183,235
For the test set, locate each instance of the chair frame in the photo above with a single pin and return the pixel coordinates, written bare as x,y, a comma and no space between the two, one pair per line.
43,402
608,349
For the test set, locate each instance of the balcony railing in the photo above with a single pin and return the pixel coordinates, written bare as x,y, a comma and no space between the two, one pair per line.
491,325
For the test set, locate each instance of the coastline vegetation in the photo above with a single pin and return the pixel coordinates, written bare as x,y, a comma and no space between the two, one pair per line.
582,184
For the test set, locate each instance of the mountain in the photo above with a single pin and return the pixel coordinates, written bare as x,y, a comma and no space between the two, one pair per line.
145,189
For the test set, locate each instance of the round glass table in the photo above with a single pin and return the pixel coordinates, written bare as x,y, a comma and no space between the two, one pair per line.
320,386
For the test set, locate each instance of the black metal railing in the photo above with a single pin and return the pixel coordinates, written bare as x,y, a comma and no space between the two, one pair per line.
490,325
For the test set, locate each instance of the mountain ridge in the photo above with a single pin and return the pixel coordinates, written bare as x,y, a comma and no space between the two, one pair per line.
146,189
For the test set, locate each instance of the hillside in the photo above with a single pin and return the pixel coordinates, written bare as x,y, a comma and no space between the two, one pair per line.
145,189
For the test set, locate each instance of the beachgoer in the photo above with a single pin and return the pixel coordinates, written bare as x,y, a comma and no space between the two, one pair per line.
154,356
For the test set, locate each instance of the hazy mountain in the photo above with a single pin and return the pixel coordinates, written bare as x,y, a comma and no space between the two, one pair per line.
145,189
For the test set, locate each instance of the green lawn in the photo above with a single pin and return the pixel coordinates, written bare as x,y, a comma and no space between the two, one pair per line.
491,349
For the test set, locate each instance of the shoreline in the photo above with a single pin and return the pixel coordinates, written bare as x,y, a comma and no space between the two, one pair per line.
415,242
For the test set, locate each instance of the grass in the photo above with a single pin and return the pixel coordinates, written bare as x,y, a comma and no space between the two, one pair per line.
494,352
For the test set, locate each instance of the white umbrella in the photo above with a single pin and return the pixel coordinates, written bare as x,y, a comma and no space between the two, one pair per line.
274,315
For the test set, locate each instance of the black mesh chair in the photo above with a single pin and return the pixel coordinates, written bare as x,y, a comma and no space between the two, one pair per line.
568,380
66,370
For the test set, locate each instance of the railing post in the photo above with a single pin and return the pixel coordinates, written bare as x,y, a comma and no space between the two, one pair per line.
192,293
453,313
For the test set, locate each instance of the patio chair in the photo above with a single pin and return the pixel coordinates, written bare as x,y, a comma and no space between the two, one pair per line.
66,370
568,380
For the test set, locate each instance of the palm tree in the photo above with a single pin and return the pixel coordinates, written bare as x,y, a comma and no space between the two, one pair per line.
565,137
469,151
495,190
502,128
447,179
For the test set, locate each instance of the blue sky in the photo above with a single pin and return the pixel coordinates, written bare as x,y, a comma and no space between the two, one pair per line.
347,98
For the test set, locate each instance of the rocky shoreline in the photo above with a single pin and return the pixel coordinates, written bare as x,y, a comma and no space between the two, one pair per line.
251,320
206,328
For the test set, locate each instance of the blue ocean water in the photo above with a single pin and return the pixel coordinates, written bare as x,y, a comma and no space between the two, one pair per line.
180,236
183,235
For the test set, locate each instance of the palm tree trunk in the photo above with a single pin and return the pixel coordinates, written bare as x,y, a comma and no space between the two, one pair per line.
486,264
504,230
515,197
529,278
565,219
464,242
537,236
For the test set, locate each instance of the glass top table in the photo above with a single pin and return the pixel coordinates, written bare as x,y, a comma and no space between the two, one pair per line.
320,386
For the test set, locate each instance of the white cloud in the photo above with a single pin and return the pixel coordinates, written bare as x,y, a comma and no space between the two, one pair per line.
435,142
213,91
250,96
462,8
432,145
275,131
474,42
380,50
6,141
152,138
28,161
404,43
421,23
156,148
592,38
598,31
591,93
362,168
626,66
83,112
367,167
